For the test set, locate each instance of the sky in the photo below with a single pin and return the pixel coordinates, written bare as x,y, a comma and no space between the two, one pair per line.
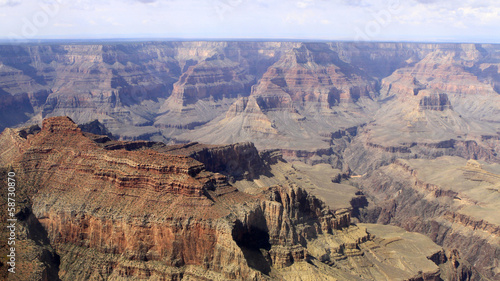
355,20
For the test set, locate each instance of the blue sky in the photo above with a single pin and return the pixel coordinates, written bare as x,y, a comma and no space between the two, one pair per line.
376,20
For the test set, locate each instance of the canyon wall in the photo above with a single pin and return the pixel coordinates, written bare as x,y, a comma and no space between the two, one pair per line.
233,110
143,213
94,209
446,199
265,92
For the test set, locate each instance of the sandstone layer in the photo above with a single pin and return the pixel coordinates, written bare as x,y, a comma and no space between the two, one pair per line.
353,108
96,211
450,199
295,93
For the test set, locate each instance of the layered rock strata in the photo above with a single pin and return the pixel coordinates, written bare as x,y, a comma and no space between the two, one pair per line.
447,199
131,211
99,213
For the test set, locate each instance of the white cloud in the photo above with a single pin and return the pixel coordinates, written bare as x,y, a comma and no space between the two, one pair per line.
418,20
300,17
66,25
10,3
451,14
305,4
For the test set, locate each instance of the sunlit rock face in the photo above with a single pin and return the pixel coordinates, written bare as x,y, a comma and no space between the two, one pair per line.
234,113
101,208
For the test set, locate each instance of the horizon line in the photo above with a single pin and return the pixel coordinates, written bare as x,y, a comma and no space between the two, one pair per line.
184,39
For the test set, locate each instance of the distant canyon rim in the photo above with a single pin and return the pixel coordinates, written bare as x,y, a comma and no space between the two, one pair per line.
254,160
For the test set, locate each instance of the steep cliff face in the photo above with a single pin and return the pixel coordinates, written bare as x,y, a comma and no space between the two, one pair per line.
447,199
139,209
313,73
434,106
365,153
217,77
111,213
11,143
355,106
454,70
304,88
166,91
438,102
91,67
203,92
83,217
444,69
237,161
87,81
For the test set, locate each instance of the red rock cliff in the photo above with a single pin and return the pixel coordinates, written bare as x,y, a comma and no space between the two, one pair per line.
145,213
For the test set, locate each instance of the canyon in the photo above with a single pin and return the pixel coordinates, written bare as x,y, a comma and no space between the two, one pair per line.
158,213
254,160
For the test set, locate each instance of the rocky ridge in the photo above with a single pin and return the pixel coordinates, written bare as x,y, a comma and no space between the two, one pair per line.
447,199
156,87
355,106
147,214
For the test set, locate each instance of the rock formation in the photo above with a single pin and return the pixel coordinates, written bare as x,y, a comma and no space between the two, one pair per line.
237,161
217,77
152,90
449,199
357,107
439,102
141,213
312,73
